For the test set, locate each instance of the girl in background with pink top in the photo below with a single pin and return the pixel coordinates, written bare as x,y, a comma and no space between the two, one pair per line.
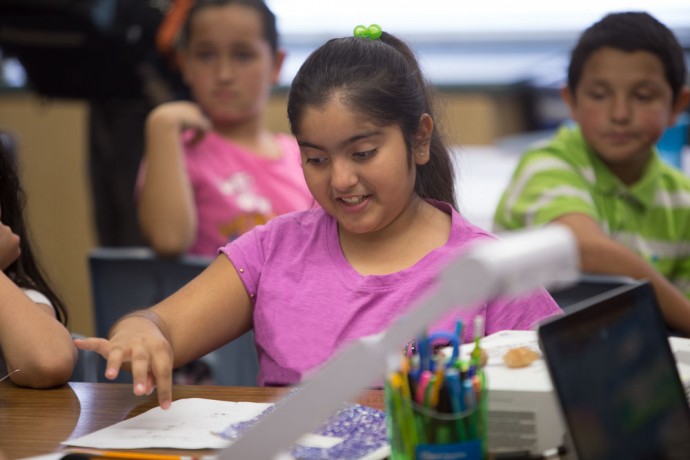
309,282
211,169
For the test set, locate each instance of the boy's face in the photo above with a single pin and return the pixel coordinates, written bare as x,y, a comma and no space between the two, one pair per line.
623,103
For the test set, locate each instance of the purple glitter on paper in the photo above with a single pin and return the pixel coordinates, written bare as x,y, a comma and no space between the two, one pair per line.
362,429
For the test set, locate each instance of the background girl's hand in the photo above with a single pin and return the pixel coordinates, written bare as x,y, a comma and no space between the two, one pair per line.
181,115
166,206
9,246
138,344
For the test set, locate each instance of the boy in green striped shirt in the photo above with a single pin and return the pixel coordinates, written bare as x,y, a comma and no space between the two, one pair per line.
603,177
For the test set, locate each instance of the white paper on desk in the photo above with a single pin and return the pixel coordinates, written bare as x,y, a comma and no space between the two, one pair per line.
55,456
188,424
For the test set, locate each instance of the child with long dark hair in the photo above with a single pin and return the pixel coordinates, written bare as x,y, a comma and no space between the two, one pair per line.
310,282
34,341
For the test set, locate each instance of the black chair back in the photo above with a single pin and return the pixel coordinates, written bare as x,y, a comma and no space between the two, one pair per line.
132,278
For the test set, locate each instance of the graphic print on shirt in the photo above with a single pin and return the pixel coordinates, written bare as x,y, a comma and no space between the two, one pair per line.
255,209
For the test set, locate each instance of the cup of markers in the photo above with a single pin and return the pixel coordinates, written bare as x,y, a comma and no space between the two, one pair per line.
437,406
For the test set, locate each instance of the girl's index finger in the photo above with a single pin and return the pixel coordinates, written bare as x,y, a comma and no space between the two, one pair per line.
99,345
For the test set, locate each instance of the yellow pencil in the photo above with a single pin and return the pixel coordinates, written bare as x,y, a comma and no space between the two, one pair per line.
438,382
96,453
405,371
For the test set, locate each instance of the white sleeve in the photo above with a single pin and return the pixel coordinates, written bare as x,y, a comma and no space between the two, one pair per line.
37,297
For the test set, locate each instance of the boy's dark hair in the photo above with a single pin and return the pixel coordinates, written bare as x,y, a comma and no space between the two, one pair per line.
381,80
267,18
25,272
630,31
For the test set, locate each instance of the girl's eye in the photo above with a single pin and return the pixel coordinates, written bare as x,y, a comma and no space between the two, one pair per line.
364,155
597,95
204,55
316,161
244,56
644,97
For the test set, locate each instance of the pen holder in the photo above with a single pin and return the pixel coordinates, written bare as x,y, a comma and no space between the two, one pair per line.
418,432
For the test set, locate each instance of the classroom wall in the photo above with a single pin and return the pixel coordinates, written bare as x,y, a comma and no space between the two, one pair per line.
466,117
52,141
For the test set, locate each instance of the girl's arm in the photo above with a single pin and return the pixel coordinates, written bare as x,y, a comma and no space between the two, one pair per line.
167,213
601,254
33,340
208,312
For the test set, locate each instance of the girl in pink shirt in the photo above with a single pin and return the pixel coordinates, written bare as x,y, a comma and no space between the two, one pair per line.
212,170
310,282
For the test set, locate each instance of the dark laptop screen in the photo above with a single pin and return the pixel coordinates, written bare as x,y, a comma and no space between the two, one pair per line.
615,376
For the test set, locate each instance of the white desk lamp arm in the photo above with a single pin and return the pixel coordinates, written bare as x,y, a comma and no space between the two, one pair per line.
515,264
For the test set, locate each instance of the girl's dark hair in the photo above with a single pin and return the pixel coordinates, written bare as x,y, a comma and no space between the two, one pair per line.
25,272
267,18
630,31
381,80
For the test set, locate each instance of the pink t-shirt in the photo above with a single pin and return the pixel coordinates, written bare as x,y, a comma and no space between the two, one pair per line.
309,301
236,190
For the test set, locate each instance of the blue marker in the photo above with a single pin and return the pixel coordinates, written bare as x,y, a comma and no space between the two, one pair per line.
471,405
456,400
423,352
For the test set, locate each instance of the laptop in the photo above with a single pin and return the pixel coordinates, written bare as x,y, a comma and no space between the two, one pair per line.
616,379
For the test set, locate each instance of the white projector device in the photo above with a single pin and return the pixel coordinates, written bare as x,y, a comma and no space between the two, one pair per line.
523,409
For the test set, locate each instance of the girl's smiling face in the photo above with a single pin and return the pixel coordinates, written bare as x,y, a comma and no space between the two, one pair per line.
359,172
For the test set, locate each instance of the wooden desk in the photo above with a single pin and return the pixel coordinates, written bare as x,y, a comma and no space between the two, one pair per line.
34,422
